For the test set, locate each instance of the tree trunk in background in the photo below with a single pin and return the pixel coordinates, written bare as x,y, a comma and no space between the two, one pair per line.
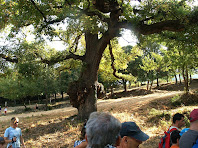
47,100
180,79
129,84
151,85
175,79
147,87
157,82
124,85
190,78
167,78
185,76
187,80
62,95
112,92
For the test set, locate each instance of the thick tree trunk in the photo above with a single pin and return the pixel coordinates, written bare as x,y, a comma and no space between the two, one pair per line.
83,92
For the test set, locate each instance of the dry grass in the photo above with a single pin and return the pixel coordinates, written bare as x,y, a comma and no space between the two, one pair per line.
61,130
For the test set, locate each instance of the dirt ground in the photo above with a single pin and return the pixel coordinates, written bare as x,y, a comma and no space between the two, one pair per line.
59,128
103,105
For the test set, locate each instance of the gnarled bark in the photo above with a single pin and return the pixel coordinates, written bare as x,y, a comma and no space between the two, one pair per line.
83,92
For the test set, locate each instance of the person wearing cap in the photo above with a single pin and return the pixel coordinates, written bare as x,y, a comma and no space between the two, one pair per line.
102,131
2,142
189,138
13,134
131,135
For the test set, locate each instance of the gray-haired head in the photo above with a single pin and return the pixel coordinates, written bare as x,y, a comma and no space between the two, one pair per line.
102,129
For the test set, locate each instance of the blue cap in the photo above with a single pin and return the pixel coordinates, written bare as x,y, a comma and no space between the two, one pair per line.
183,131
132,130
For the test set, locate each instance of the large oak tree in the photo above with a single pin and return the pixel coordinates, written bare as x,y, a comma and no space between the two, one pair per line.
99,21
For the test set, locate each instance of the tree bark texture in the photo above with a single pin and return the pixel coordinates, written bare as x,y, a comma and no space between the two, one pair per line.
83,92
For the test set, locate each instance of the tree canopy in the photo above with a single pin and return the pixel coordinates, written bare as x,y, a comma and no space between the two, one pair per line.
98,21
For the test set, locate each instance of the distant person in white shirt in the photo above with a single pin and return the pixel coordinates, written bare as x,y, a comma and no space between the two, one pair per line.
5,110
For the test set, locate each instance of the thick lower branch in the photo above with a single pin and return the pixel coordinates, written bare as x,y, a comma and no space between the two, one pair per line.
9,59
62,58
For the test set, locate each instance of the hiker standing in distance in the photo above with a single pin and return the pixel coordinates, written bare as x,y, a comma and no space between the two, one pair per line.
178,122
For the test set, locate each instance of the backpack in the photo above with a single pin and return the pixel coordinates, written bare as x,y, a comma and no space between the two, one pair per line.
165,141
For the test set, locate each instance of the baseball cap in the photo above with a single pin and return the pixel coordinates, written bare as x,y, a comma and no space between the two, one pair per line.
2,141
132,130
194,115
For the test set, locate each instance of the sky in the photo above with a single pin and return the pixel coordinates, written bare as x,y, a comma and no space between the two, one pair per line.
127,37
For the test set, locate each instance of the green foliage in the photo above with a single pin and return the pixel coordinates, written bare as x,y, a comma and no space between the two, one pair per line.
176,100
122,57
28,109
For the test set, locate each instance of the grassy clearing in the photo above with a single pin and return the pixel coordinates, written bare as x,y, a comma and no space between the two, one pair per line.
61,130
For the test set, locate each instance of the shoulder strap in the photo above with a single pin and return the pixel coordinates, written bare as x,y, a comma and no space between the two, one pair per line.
173,129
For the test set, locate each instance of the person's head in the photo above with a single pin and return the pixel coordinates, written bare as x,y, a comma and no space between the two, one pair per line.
194,120
194,115
14,122
175,136
2,142
178,120
102,129
131,135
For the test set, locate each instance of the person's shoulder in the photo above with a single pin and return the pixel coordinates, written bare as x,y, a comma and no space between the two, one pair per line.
8,129
190,132
174,128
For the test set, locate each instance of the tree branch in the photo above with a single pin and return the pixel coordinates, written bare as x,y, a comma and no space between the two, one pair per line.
145,29
112,62
62,58
96,13
39,10
75,43
170,25
9,59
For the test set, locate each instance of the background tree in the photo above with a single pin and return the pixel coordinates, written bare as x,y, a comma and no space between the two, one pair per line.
100,22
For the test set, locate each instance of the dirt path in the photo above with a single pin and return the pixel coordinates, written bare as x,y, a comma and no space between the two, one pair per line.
131,102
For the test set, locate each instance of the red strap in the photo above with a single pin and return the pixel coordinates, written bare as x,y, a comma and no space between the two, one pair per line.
173,129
